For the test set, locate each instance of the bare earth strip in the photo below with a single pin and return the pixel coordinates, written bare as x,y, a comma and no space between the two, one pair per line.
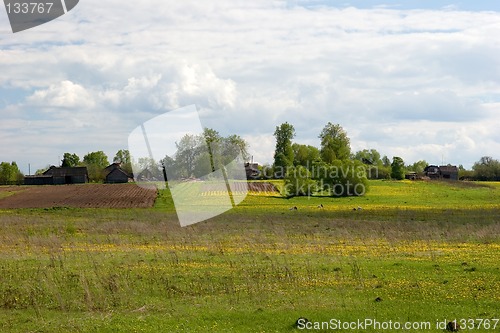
81,196
241,187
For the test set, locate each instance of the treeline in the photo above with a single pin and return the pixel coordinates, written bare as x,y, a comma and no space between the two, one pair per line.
308,170
196,156
199,155
332,169
95,162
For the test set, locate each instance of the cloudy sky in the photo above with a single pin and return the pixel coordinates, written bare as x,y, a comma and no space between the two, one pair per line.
416,79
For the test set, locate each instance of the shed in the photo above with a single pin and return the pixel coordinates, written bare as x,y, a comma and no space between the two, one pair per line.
38,180
115,174
449,172
67,175
446,172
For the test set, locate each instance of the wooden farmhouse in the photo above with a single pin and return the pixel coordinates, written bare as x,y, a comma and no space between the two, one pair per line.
59,176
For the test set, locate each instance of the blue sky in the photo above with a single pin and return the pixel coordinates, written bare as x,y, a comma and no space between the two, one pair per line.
420,84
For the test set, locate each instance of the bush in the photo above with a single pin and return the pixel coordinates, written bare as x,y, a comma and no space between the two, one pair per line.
343,178
298,182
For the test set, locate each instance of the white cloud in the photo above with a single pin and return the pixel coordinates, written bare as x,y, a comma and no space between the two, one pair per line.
411,82
66,94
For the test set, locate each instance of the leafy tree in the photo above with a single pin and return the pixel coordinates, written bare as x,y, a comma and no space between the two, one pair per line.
487,168
202,165
170,167
97,158
233,145
70,160
305,155
123,157
188,150
369,157
386,161
375,168
397,168
42,171
199,155
382,172
283,154
335,145
418,167
213,141
96,162
10,173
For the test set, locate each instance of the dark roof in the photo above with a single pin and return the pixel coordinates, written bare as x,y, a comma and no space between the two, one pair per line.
448,168
63,172
118,171
112,167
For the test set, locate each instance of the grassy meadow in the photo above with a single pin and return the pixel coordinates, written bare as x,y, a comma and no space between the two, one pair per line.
413,252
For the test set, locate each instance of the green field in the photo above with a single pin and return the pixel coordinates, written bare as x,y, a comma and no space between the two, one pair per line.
413,252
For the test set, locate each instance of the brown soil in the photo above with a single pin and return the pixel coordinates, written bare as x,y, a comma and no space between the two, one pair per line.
80,196
241,187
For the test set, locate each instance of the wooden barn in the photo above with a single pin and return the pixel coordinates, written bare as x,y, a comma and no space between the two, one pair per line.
443,172
115,174
449,172
59,176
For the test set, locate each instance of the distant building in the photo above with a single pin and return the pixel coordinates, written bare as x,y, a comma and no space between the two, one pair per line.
115,174
59,176
411,175
443,172
252,170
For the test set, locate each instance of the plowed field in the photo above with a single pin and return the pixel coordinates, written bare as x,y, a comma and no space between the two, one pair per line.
81,196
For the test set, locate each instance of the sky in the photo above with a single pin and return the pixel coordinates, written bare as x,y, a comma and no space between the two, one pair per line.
415,79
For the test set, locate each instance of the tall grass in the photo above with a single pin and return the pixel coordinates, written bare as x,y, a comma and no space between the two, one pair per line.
257,268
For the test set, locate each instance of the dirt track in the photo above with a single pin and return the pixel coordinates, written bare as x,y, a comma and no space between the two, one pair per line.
81,196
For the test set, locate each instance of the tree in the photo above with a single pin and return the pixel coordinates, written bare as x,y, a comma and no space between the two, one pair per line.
169,165
369,157
418,167
397,168
487,168
305,155
10,173
213,141
123,157
386,161
70,160
335,145
42,171
375,168
234,145
97,158
188,149
283,154
96,162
